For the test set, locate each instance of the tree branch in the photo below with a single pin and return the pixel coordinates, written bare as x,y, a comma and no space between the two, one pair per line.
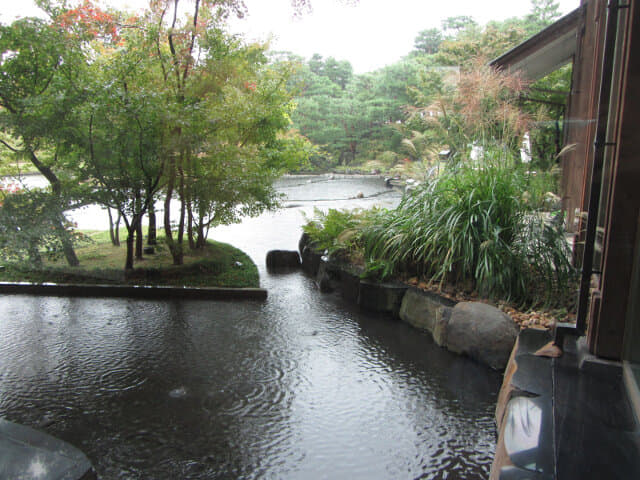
13,149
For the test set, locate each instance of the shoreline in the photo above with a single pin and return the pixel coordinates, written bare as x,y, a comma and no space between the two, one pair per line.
133,291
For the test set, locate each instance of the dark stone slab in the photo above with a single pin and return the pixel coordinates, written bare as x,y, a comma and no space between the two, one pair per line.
30,454
528,434
597,435
531,340
381,297
349,283
533,375
164,293
515,473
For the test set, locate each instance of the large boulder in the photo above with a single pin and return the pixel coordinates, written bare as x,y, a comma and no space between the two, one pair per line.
279,260
482,332
423,309
310,254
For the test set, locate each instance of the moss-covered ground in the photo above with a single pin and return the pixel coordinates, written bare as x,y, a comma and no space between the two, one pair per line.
215,265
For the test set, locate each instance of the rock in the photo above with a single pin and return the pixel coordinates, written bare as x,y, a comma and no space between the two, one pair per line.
311,260
323,278
421,309
349,282
305,240
381,297
179,392
440,324
278,260
29,453
310,255
482,332
552,201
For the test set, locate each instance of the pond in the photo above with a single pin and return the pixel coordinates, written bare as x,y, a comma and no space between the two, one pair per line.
302,386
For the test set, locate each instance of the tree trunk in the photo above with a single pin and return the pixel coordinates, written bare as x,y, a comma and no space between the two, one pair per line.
202,238
174,248
136,223
69,251
152,237
117,232
190,236
128,266
56,188
111,233
183,209
67,244
139,241
114,233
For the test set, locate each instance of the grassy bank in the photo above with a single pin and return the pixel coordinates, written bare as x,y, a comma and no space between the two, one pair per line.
216,265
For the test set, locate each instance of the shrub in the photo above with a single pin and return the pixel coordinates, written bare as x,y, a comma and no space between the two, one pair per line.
339,231
388,158
471,225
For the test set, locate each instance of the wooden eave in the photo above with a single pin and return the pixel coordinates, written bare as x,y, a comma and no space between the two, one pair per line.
546,51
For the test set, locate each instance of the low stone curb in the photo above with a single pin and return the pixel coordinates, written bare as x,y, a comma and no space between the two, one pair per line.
150,292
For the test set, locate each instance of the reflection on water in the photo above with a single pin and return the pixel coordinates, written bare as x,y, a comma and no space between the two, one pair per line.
301,386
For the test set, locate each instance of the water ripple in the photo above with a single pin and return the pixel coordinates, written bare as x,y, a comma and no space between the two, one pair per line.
303,386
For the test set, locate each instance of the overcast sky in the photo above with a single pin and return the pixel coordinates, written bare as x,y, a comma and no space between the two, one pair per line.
369,33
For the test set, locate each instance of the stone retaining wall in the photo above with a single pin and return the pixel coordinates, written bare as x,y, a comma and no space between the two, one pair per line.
475,329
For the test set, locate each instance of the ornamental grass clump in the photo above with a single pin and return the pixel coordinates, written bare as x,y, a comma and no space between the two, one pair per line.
475,226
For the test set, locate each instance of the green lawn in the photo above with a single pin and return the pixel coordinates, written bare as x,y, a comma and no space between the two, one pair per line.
217,265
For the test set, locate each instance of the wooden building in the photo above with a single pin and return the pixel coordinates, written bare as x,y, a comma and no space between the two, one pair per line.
600,368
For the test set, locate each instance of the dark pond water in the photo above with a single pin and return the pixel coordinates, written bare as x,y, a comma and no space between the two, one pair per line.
302,386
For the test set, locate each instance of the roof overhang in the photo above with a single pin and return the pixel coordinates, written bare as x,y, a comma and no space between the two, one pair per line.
546,51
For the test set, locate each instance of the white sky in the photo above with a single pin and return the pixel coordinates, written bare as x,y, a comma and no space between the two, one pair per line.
369,34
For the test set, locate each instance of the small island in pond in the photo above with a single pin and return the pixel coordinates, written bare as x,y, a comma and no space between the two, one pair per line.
214,265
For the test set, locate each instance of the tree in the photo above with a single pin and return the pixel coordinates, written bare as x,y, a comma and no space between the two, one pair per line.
452,26
27,236
38,89
355,121
428,41
316,65
226,104
122,139
543,13
339,73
